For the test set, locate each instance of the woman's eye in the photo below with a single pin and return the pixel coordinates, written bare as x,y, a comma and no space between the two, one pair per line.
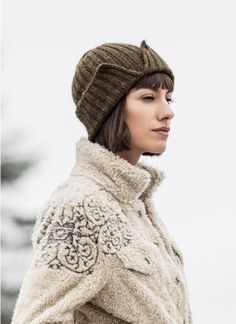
169,100
148,98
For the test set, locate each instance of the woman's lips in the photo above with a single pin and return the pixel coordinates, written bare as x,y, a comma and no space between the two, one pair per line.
164,133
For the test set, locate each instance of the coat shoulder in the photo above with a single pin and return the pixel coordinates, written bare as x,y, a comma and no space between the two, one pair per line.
75,225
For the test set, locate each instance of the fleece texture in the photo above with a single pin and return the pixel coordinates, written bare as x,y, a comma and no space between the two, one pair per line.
102,252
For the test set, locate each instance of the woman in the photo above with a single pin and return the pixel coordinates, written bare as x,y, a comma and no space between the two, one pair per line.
102,253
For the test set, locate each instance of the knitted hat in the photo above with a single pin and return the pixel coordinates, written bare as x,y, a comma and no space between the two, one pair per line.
105,74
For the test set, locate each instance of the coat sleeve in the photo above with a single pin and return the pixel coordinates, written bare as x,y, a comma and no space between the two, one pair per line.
70,264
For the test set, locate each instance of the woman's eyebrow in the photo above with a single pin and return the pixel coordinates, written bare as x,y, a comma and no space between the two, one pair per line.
157,90
153,89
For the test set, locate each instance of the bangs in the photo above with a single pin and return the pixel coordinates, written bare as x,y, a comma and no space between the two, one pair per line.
155,81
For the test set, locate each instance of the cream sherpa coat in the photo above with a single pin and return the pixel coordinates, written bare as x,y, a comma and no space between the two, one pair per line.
102,253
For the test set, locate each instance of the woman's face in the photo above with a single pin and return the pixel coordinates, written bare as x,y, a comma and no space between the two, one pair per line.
145,110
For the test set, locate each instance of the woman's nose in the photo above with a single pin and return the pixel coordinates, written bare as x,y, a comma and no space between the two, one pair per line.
171,114
166,111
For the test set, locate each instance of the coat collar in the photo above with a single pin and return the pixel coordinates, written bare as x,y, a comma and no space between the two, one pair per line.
122,179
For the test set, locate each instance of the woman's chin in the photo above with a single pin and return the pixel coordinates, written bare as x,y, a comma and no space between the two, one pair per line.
157,148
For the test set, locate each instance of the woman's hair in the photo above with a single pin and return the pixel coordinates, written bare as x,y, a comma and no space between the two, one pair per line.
114,134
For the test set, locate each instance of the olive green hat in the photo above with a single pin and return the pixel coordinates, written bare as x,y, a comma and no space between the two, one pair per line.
105,74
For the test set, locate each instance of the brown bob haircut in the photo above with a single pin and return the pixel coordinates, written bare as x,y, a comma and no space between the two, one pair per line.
114,134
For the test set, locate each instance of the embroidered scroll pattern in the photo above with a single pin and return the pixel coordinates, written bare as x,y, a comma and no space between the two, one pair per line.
68,236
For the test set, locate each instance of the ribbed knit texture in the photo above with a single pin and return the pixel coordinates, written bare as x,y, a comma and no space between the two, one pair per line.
105,74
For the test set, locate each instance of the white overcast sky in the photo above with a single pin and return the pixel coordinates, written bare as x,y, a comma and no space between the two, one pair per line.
42,42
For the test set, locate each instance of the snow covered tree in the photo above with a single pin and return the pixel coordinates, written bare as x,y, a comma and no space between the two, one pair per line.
16,226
